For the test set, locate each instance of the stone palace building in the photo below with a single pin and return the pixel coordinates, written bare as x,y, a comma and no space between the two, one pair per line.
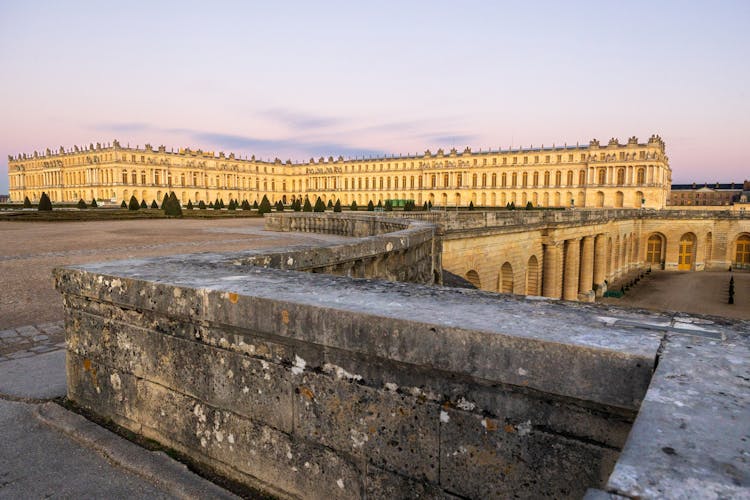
615,175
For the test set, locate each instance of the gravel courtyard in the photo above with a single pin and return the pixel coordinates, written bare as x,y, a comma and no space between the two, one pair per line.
30,250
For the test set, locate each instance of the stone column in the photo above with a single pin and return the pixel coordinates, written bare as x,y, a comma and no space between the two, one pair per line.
600,264
586,278
570,274
551,273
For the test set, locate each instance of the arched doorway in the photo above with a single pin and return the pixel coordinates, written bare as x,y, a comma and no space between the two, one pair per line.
506,278
655,246
532,276
686,252
473,278
742,252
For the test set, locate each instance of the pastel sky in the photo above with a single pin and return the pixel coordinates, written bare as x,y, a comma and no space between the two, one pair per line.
302,79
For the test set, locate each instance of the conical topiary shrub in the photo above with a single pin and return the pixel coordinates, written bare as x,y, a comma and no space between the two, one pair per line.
255,205
82,204
201,205
154,204
265,206
26,202
172,206
45,205
133,204
319,205
353,206
337,206
144,205
93,203
123,204
388,206
370,206
189,205
330,204
164,200
307,207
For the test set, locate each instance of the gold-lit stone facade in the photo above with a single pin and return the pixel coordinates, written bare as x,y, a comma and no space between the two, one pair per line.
629,175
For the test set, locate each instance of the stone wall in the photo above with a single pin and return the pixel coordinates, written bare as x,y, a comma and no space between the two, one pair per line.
385,248
319,386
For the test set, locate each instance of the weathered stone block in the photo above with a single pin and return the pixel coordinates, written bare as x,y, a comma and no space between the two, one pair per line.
515,459
391,430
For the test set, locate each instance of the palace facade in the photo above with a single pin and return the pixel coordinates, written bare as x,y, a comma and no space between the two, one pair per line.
629,175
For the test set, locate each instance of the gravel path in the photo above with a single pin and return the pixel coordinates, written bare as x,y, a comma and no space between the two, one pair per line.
30,250
699,293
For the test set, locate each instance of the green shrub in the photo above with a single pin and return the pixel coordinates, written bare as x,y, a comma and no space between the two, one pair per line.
144,205
202,205
388,206
133,204
319,205
172,207
353,206
337,206
330,204
529,205
190,205
123,204
380,204
221,203
308,207
245,205
154,204
45,205
164,201
255,205
26,202
370,206
279,206
471,205
265,205
93,203
211,204
425,207
232,206
82,204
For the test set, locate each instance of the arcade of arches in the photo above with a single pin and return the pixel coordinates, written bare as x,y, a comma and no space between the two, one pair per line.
578,258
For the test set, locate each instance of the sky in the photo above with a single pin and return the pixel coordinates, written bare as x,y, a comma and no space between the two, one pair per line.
305,79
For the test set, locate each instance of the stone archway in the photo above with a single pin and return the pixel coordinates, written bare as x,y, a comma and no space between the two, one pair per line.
656,245
473,278
532,276
506,278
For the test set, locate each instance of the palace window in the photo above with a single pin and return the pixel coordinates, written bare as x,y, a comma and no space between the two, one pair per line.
536,179
445,180
143,177
546,159
620,176
581,177
514,177
641,176
570,178
505,161
504,180
558,178
124,176
570,157
525,160
484,180
474,180
602,176
546,179
494,180
525,179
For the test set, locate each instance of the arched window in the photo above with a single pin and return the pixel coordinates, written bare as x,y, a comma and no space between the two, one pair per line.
484,180
494,180
581,177
546,179
602,176
620,176
570,178
504,180
536,179
641,176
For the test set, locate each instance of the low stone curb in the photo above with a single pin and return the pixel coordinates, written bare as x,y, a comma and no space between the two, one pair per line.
155,467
